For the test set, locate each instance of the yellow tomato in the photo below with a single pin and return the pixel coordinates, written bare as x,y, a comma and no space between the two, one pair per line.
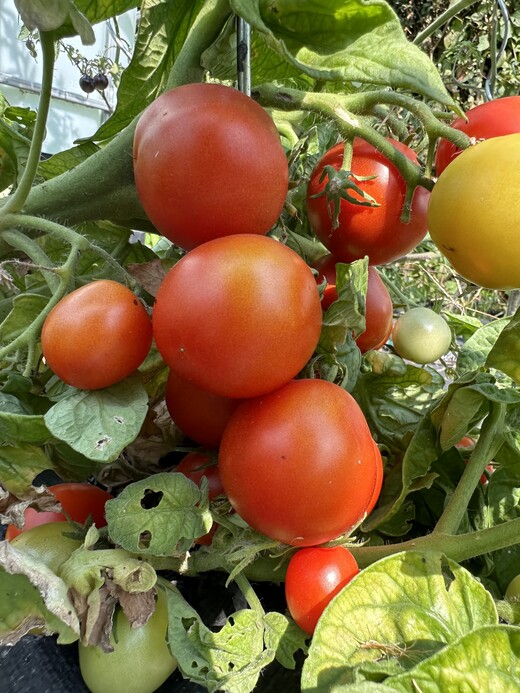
474,213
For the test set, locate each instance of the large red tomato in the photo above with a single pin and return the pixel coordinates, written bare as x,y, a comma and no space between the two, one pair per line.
97,335
378,308
208,162
78,500
374,231
314,576
298,464
491,119
200,415
238,316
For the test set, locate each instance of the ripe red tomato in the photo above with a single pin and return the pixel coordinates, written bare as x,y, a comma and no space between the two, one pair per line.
208,162
374,231
378,309
314,576
379,479
78,500
491,119
238,316
97,335
298,464
195,465
200,415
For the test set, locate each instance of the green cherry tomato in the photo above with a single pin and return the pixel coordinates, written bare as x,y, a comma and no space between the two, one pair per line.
513,589
421,335
141,660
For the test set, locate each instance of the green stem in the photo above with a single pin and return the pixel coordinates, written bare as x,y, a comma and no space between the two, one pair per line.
19,241
249,593
64,233
396,291
17,199
443,18
31,333
459,547
490,433
203,32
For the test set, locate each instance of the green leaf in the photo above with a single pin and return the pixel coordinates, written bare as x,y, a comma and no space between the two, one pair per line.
19,464
394,396
347,313
162,30
99,424
486,660
16,425
505,353
65,160
503,493
284,637
44,15
474,352
464,408
357,41
37,599
395,613
160,515
26,308
230,659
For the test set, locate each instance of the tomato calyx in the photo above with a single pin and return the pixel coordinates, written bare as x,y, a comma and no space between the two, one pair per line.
339,186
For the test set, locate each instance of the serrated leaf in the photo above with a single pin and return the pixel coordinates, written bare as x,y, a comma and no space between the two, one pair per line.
359,41
19,464
100,423
395,613
505,353
284,637
487,660
230,659
37,599
474,352
178,515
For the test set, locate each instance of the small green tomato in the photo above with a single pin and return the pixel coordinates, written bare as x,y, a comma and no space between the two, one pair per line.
421,335
513,589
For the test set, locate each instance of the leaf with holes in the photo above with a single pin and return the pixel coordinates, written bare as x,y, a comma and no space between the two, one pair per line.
394,614
160,515
230,659
100,423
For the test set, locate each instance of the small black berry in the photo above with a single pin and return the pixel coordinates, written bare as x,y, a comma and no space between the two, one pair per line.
86,83
100,81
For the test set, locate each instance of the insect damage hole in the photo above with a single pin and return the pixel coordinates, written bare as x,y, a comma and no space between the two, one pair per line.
151,499
119,420
102,442
145,539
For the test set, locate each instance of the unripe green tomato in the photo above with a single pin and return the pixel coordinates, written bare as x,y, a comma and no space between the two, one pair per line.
513,589
421,335
48,543
141,660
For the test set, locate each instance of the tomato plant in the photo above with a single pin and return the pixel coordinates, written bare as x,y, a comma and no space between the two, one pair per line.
79,502
378,307
249,296
178,140
201,415
140,660
298,464
314,576
421,335
489,119
473,219
97,335
378,231
48,542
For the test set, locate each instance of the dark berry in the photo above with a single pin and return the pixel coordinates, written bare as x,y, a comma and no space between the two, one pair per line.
86,83
30,45
100,81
